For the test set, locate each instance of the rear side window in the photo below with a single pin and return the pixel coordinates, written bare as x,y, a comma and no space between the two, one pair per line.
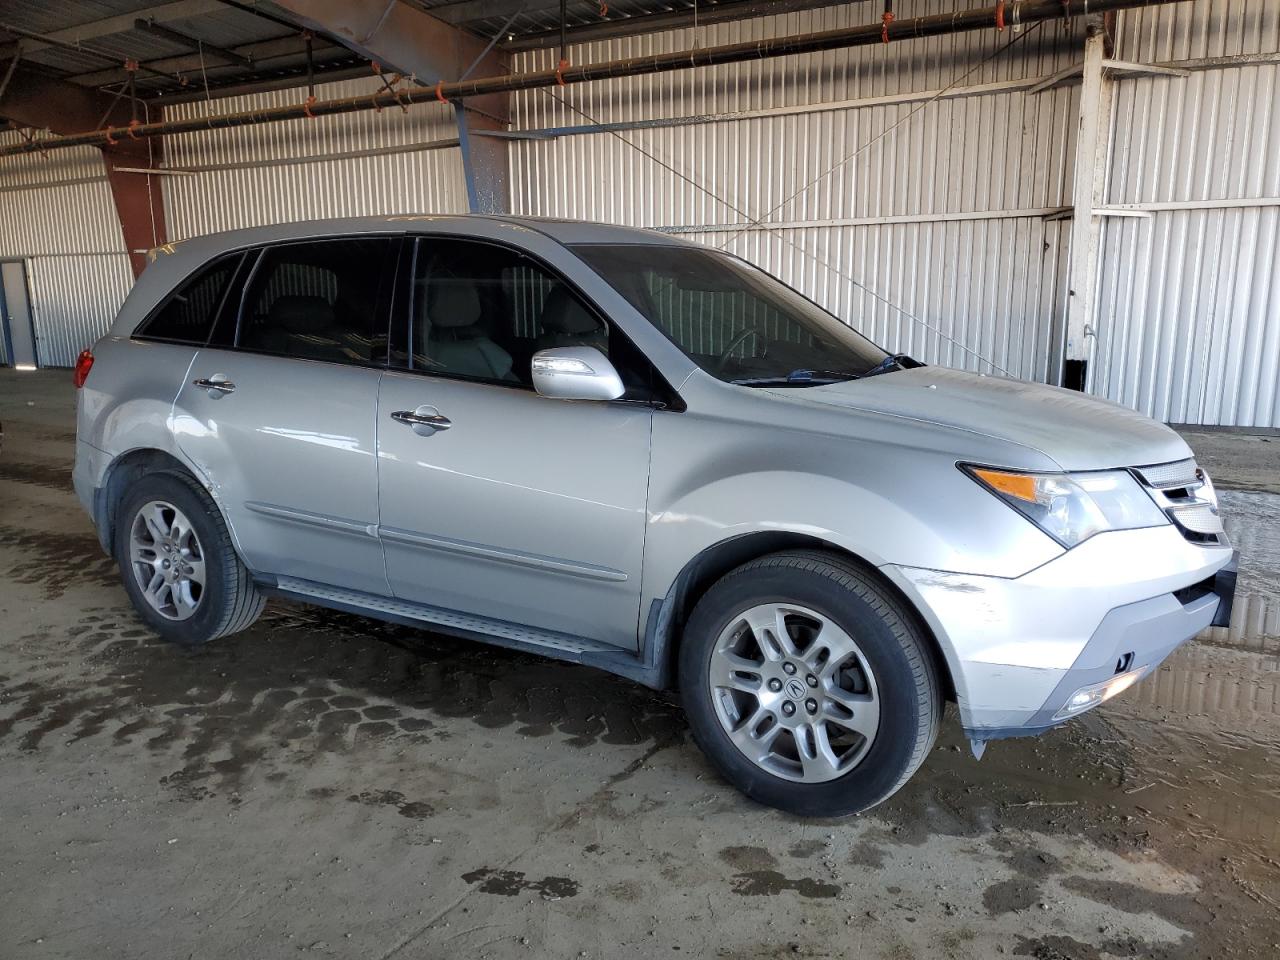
319,301
189,313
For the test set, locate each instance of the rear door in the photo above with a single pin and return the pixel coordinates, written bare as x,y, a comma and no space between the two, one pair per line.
279,412
522,509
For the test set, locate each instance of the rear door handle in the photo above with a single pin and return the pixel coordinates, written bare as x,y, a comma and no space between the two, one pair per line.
434,421
221,386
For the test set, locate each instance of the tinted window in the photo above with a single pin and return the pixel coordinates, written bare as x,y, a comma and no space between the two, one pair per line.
481,312
733,320
189,314
319,301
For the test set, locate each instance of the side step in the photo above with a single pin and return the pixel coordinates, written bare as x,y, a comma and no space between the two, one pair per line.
501,633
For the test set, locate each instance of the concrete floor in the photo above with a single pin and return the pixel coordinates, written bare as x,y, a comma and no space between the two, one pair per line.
328,785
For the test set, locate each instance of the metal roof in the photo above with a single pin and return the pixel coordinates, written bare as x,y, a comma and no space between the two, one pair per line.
181,46
88,42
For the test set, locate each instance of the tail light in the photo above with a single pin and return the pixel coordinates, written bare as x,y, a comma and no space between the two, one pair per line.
84,363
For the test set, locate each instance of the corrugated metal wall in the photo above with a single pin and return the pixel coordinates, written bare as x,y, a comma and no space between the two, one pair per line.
937,238
58,217
932,240
250,176
1190,330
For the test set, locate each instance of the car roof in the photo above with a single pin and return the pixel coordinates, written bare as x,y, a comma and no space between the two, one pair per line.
174,261
563,231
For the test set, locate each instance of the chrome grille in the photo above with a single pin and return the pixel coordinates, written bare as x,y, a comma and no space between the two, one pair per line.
1201,518
1186,495
1180,474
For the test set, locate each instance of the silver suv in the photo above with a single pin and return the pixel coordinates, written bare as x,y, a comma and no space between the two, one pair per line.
614,448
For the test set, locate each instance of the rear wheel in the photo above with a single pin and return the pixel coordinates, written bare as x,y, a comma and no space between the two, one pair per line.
808,684
178,564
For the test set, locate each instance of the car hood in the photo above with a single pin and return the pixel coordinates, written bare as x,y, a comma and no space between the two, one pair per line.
1076,431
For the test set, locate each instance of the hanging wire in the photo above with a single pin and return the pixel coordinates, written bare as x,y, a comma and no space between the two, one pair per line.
755,222
111,108
782,235
208,100
849,158
493,41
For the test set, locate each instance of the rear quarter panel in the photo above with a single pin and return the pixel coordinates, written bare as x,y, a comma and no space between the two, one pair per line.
127,402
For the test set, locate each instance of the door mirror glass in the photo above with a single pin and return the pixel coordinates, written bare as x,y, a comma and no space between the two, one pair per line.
575,373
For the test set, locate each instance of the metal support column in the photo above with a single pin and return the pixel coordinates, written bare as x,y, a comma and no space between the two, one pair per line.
1093,141
486,163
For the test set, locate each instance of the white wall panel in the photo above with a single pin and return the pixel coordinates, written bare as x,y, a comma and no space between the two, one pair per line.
1189,329
64,219
58,217
984,156
932,240
1190,325
74,301
255,177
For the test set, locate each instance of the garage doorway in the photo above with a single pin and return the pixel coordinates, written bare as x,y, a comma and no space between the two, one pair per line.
15,316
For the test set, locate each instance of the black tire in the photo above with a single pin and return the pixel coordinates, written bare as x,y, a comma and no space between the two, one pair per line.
229,602
894,646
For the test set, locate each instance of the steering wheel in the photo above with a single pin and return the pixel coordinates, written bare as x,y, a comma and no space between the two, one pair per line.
724,357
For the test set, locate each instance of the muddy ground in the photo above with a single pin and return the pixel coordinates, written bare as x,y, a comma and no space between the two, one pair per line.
328,785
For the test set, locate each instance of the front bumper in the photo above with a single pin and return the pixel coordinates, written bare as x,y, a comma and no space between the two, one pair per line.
1019,649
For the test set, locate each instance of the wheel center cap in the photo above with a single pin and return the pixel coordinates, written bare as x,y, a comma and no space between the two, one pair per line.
795,689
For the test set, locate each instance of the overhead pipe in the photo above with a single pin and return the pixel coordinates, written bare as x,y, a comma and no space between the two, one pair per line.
980,18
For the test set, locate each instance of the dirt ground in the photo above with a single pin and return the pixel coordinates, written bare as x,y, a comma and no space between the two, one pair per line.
328,785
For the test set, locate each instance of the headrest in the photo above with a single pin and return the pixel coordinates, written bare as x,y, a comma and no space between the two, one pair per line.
453,302
562,313
302,314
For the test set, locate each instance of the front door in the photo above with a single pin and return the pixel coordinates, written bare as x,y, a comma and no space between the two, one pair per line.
514,507
280,412
20,335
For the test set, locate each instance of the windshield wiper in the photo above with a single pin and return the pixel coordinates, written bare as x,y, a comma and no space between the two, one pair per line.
799,378
895,361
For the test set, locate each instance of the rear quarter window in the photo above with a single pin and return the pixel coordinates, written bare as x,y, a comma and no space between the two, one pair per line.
187,316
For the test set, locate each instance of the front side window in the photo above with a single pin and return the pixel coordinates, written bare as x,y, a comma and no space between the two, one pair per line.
189,314
319,300
480,312
733,320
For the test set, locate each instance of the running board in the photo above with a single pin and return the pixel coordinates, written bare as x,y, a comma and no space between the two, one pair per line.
501,633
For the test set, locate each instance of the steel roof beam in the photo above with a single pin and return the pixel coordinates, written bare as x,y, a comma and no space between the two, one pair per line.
431,52
36,100
194,44
259,52
121,23
615,26
981,18
403,38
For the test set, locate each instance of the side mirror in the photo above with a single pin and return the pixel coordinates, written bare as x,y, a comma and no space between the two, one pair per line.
575,373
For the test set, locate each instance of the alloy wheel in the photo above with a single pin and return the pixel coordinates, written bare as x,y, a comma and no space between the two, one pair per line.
167,560
794,692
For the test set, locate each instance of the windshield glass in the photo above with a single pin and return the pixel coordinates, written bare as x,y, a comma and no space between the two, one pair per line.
733,320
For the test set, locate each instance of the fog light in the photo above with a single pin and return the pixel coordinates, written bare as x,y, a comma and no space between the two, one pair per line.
1086,698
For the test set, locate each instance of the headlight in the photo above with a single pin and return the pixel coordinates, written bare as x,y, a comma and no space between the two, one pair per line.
1072,507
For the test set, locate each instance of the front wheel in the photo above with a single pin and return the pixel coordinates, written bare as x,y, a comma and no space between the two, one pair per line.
178,563
808,685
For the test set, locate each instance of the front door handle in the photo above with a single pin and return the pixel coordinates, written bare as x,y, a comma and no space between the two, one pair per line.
215,387
414,419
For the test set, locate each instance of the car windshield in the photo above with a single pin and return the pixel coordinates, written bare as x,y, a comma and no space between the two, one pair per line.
733,320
